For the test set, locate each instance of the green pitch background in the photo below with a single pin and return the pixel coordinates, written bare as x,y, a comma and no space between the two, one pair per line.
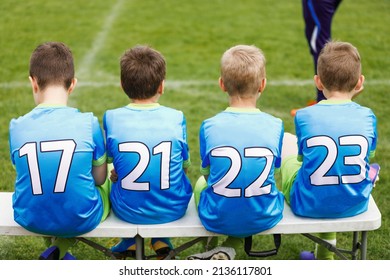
192,35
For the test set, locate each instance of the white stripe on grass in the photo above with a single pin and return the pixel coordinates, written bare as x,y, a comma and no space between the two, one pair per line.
186,83
99,41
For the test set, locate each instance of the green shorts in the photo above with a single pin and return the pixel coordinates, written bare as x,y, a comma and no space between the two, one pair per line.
289,170
200,185
104,191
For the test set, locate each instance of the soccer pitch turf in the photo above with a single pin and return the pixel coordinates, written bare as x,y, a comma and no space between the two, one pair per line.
192,35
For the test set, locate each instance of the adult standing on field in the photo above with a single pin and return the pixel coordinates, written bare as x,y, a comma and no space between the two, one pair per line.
318,16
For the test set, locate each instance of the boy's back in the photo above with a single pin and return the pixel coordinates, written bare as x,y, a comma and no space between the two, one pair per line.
52,149
148,146
241,147
336,148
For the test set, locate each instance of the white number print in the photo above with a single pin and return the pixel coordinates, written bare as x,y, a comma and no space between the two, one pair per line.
66,147
129,182
256,188
319,177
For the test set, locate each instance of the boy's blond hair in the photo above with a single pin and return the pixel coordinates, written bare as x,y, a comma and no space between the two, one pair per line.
339,66
243,69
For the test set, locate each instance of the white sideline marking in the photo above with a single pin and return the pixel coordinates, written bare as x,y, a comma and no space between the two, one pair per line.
186,83
98,43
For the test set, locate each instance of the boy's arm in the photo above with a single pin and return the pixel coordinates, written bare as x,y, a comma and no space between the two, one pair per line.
99,174
278,161
299,141
99,164
374,140
205,164
185,151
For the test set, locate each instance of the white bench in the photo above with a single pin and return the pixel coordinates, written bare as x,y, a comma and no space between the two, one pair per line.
190,226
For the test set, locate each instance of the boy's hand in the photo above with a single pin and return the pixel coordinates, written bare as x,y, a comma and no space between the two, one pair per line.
113,176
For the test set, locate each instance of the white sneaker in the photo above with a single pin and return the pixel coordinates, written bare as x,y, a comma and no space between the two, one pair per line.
218,253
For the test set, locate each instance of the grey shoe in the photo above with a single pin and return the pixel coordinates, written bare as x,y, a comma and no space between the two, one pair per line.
218,253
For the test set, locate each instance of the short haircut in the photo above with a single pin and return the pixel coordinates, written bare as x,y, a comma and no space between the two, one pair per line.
142,71
51,63
339,66
243,69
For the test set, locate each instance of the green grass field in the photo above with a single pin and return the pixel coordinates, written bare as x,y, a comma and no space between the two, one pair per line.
192,36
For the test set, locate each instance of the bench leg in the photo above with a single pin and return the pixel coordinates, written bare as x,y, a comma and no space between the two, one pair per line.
363,248
356,245
140,249
98,247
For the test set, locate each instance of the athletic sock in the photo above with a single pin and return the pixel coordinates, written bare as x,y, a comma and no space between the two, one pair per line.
64,244
321,252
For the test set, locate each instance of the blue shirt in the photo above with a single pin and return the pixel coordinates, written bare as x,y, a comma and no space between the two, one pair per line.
53,149
240,150
335,142
148,147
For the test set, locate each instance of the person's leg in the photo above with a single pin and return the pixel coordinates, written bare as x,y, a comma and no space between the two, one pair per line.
64,244
161,246
290,145
290,164
212,242
200,185
323,12
310,11
58,248
321,252
104,191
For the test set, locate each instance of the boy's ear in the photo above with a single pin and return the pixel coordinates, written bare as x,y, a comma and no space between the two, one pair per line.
359,86
34,84
161,87
262,85
72,85
318,82
221,84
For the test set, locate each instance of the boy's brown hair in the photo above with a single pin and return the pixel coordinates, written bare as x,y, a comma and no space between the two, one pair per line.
142,71
339,66
243,69
51,63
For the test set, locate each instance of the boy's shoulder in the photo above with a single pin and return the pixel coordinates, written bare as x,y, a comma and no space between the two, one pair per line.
50,112
330,107
139,108
237,113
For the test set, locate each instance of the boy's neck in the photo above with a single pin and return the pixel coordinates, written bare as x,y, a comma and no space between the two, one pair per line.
239,102
54,95
338,95
152,100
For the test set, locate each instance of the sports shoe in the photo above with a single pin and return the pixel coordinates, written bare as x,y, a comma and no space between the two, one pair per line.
307,255
53,253
374,173
218,253
69,257
124,248
162,247
293,112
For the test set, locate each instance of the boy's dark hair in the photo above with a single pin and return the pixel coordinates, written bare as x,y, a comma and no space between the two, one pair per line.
51,63
142,71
